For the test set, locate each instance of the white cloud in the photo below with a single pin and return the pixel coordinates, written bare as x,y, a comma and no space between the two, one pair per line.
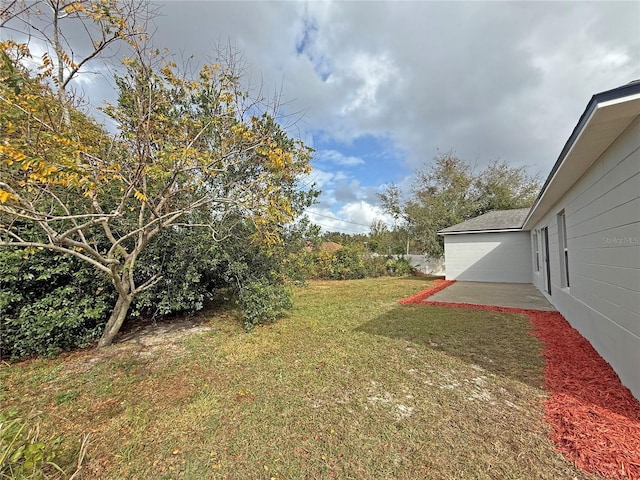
364,213
323,179
370,74
488,80
331,222
353,217
336,158
483,88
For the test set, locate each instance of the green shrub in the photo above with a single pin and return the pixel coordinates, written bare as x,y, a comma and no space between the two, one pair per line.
348,264
375,266
323,265
188,260
262,301
23,455
298,267
344,264
399,267
49,302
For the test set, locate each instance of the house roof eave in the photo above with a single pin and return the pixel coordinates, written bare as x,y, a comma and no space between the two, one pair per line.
500,230
610,113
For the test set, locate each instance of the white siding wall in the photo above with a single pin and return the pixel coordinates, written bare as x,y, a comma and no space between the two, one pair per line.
602,213
488,257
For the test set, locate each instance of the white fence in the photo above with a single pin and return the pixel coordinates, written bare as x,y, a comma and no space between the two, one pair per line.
424,264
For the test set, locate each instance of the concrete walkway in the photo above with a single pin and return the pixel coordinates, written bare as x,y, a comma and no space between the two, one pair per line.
515,295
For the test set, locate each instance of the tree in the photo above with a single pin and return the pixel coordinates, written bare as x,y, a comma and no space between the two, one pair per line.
449,192
192,152
387,241
53,23
378,234
501,187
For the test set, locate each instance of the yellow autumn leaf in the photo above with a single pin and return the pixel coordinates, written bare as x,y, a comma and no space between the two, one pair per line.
5,196
75,7
140,196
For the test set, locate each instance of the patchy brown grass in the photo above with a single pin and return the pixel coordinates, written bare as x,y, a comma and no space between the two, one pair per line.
350,385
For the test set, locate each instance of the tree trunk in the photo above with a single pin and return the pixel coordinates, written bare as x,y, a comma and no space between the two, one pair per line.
57,45
116,319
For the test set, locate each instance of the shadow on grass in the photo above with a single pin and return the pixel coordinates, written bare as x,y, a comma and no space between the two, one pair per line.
498,342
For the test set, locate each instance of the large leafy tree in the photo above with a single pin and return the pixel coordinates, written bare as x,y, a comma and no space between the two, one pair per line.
73,34
449,191
192,152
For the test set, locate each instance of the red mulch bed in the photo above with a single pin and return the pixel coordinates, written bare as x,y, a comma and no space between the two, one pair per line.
422,295
595,421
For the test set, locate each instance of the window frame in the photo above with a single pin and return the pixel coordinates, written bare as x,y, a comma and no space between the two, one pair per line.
536,251
563,246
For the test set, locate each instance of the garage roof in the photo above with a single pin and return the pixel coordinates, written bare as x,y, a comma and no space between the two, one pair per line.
494,221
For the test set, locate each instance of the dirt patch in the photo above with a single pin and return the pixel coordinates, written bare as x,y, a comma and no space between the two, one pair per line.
147,339
152,334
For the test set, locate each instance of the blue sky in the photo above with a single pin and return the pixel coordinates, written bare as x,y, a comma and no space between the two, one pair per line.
378,88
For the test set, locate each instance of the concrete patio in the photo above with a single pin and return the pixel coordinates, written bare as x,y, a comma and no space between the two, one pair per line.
515,295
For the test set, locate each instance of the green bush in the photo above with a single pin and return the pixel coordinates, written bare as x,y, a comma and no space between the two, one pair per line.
298,267
348,264
345,264
375,266
399,267
49,302
188,260
23,455
262,301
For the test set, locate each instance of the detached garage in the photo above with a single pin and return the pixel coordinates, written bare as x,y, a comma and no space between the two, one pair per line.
492,247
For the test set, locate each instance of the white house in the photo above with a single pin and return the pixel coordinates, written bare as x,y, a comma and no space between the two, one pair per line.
582,247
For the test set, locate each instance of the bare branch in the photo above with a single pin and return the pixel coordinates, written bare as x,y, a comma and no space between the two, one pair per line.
149,283
98,50
6,15
36,216
58,248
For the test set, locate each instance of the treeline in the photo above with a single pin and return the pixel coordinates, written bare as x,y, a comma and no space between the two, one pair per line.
450,190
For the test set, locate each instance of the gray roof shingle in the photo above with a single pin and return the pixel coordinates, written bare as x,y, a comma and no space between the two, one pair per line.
494,220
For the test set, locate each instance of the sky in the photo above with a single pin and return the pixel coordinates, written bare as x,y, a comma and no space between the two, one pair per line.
379,88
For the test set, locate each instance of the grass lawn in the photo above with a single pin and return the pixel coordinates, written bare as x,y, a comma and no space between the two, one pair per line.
350,385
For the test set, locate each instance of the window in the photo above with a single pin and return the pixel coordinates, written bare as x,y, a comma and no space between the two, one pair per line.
545,257
536,252
564,250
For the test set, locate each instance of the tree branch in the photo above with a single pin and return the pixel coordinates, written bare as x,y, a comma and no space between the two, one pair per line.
57,248
148,284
